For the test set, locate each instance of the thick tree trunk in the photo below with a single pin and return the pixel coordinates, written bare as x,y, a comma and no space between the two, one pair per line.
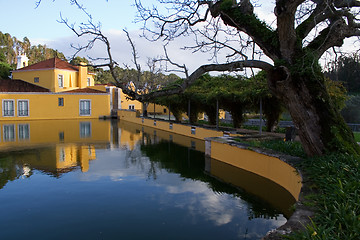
211,113
237,116
321,127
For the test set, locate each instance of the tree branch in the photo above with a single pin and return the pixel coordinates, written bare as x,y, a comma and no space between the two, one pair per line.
176,89
241,17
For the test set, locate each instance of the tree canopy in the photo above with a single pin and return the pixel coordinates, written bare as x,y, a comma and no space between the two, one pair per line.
346,69
11,47
236,94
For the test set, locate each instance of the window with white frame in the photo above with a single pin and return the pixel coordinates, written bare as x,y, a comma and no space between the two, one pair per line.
88,81
23,108
61,80
24,131
62,155
85,129
8,108
85,107
36,79
131,107
9,133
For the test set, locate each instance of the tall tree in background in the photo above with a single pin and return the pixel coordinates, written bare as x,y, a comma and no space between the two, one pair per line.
346,69
11,47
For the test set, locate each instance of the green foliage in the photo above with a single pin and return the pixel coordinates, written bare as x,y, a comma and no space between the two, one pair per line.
10,47
291,148
336,178
347,71
145,81
351,112
357,136
337,93
4,70
235,94
247,19
42,52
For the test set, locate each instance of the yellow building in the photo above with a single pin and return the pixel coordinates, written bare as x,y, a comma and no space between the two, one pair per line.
52,89
56,75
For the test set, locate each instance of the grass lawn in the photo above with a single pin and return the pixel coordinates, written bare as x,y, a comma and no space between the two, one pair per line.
336,192
357,136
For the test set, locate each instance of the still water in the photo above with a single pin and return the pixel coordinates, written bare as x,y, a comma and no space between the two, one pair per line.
102,180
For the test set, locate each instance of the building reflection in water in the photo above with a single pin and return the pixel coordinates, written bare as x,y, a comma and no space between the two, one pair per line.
57,147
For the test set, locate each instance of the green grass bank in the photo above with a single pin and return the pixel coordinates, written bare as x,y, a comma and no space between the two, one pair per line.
335,183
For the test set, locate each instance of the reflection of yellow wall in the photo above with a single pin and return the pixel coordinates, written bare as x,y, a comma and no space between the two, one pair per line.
55,131
186,130
129,138
136,130
45,105
61,157
253,183
48,78
269,167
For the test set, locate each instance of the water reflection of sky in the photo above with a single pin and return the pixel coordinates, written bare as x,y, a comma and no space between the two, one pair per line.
190,196
93,191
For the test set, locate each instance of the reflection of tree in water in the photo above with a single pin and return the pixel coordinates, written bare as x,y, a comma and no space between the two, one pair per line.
12,169
190,164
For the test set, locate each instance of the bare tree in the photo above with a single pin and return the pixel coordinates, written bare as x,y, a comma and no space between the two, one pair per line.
289,53
305,31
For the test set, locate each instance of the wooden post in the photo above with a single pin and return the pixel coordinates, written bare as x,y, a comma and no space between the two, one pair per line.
260,125
217,113
189,110
169,111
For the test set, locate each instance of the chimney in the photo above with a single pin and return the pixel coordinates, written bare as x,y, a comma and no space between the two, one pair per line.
22,61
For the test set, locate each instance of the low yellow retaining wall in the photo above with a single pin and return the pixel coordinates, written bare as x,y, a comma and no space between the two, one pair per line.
269,167
263,165
185,130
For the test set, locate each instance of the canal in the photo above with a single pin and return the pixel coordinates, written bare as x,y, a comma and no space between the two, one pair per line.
116,180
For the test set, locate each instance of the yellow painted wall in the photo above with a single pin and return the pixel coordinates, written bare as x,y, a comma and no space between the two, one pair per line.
46,77
45,105
49,78
70,80
269,167
186,130
266,166
159,109
126,102
134,132
82,77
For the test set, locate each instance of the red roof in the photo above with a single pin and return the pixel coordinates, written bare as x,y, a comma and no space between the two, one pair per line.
14,85
51,63
84,90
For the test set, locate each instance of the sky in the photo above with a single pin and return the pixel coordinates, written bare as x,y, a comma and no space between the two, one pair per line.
41,25
22,19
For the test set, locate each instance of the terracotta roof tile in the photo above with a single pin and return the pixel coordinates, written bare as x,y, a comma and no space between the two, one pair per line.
50,64
84,90
14,85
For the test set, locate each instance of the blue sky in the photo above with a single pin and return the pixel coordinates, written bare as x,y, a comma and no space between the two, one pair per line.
20,18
